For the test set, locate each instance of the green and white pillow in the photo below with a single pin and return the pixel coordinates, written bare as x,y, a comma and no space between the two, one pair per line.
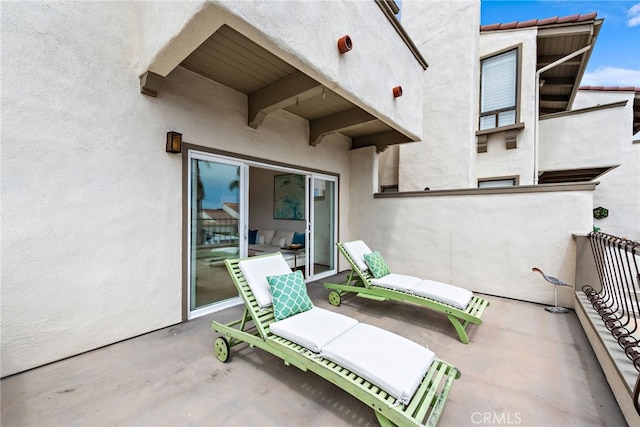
289,295
376,264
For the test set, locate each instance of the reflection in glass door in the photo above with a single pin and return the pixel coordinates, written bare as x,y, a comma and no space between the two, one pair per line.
322,200
215,221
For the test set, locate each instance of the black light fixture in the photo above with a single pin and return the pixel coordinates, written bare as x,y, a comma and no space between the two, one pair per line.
174,142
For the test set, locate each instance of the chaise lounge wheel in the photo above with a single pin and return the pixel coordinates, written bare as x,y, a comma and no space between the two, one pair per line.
222,349
334,298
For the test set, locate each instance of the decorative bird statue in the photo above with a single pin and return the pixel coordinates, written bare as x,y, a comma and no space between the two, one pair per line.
555,282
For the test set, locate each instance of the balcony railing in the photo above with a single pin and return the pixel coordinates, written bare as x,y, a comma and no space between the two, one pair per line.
617,301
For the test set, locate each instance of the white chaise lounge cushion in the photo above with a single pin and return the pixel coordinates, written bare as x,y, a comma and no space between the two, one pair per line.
443,292
256,270
393,363
397,282
356,251
314,328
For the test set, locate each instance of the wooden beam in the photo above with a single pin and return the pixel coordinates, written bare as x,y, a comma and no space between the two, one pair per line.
482,143
511,139
548,59
150,83
554,98
566,30
381,140
548,110
338,122
295,87
559,82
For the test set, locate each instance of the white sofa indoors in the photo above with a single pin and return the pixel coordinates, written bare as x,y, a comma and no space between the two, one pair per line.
263,241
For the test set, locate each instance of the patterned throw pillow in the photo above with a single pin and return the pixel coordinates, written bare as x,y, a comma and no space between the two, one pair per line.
376,264
289,295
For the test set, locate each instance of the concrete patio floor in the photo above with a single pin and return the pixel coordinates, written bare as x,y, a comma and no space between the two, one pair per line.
523,366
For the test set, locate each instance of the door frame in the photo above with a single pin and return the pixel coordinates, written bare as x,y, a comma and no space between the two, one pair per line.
247,161
242,248
310,229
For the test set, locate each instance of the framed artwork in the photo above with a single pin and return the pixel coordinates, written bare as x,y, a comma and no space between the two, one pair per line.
288,196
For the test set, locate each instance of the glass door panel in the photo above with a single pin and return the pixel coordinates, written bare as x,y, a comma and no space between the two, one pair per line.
322,256
215,228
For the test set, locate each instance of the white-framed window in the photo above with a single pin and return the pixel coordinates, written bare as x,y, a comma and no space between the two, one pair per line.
504,181
499,90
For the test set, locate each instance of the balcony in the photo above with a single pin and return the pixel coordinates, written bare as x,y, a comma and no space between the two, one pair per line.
285,56
574,146
608,268
523,366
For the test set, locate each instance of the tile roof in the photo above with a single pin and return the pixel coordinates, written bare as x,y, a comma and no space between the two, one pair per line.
612,88
540,22
218,214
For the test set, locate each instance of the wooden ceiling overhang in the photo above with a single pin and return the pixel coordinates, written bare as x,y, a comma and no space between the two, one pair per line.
271,84
559,84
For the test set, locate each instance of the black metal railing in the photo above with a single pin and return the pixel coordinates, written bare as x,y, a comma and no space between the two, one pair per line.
618,299
217,232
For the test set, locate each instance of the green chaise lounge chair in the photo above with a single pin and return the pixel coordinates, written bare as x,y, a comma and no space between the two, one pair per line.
354,356
460,305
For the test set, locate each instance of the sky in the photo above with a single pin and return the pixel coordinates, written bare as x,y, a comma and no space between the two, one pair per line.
615,60
216,179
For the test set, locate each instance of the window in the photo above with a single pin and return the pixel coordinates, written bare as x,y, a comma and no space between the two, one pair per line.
507,181
498,90
388,188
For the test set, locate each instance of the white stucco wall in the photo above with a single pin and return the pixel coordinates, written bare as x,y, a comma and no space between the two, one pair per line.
586,140
487,243
91,202
619,190
447,35
498,161
304,34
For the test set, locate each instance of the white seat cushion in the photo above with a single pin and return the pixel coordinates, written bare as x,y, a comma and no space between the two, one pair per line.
397,282
287,235
393,363
256,270
313,329
356,251
448,294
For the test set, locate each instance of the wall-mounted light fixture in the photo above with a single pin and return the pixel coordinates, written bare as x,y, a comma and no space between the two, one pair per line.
397,91
344,44
174,142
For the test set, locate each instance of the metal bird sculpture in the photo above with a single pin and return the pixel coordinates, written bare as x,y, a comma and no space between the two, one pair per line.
555,282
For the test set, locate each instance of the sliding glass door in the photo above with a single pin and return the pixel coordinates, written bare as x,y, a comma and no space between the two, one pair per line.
216,222
322,231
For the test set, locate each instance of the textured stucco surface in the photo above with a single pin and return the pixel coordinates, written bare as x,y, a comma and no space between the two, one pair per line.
487,243
304,34
92,207
446,156
580,141
91,203
498,161
619,189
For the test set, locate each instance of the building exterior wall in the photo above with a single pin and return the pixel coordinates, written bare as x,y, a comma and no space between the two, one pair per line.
447,35
92,204
580,141
304,34
486,243
498,161
619,189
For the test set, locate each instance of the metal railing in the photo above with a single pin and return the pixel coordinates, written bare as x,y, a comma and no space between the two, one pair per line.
618,299
217,232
